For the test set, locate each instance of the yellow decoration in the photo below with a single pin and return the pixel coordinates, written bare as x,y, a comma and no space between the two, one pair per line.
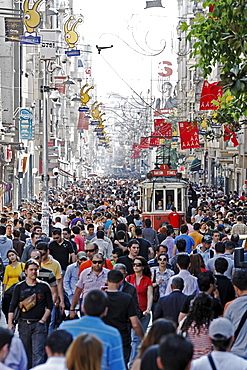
31,17
95,110
84,97
70,35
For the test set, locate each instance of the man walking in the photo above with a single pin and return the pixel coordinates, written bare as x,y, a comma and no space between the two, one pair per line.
32,322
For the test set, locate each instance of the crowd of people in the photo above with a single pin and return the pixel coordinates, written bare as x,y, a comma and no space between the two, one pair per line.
105,290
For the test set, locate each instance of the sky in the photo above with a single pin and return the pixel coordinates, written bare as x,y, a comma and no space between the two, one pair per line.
137,34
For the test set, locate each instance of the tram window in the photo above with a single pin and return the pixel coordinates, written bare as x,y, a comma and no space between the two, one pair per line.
141,201
159,204
149,200
169,199
179,202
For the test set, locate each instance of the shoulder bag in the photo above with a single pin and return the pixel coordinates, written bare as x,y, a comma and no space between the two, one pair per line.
156,292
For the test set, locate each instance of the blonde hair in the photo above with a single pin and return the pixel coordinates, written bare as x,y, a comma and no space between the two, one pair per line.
84,353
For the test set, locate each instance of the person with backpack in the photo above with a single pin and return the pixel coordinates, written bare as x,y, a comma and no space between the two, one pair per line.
205,249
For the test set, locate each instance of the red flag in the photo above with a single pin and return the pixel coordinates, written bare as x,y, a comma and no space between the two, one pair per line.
189,135
136,150
230,135
165,129
210,92
82,122
154,140
144,142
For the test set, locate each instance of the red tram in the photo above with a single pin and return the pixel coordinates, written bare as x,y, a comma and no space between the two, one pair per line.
163,189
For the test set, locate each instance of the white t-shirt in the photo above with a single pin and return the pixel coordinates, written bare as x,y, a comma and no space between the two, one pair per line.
222,360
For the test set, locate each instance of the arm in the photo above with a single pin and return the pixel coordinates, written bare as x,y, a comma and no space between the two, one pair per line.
73,257
54,292
136,325
67,281
60,293
45,316
174,251
150,300
75,301
151,252
181,316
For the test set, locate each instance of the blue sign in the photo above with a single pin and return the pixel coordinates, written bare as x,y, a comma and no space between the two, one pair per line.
30,40
83,109
95,122
26,124
73,53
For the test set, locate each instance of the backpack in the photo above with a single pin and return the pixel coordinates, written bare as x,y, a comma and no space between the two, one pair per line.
210,251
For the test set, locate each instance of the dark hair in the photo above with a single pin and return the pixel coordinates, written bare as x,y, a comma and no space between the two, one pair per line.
184,229
204,280
221,265
229,245
196,263
100,234
31,262
200,312
90,226
220,247
59,341
147,222
159,328
95,302
175,352
183,261
13,251
235,238
121,234
3,229
146,270
221,343
240,279
178,283
16,233
115,276
5,337
157,249
164,254
131,242
42,246
181,245
118,251
67,229
56,231
138,231
76,230
33,234
196,226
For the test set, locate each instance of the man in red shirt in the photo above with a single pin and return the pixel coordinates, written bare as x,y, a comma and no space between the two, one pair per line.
174,219
78,239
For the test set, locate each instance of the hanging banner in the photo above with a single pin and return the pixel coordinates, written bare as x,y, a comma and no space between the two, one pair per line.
189,135
59,85
144,142
154,140
209,93
83,122
136,151
163,128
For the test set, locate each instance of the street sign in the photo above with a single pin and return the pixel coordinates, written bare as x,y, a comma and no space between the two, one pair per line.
73,53
26,124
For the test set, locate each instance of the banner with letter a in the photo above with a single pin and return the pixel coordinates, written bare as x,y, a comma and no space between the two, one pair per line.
189,135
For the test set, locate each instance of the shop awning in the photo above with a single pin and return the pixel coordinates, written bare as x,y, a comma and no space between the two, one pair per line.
195,165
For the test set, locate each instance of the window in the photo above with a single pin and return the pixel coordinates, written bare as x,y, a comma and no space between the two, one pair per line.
169,199
159,200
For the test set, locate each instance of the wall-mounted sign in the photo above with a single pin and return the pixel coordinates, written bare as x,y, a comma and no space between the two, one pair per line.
31,17
70,35
26,124
48,44
13,29
9,173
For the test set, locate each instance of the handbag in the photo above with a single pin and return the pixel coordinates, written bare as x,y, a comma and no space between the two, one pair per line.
28,303
156,292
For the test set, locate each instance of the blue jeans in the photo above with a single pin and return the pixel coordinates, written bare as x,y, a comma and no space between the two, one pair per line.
33,336
136,340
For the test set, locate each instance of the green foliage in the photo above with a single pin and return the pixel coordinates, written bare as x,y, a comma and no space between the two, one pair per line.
221,37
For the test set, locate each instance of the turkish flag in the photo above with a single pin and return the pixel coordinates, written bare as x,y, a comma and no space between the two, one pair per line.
165,129
154,140
209,93
189,135
144,142
82,122
230,135
136,150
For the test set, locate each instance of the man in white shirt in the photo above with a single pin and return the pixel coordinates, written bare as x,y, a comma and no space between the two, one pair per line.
57,344
221,333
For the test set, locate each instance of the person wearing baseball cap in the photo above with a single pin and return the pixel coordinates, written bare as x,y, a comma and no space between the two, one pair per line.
204,249
221,334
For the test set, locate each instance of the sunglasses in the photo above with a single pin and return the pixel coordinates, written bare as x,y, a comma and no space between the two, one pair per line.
56,238
162,259
99,262
89,250
36,257
137,264
43,254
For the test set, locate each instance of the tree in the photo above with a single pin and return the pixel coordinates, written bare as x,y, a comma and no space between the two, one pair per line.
220,37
